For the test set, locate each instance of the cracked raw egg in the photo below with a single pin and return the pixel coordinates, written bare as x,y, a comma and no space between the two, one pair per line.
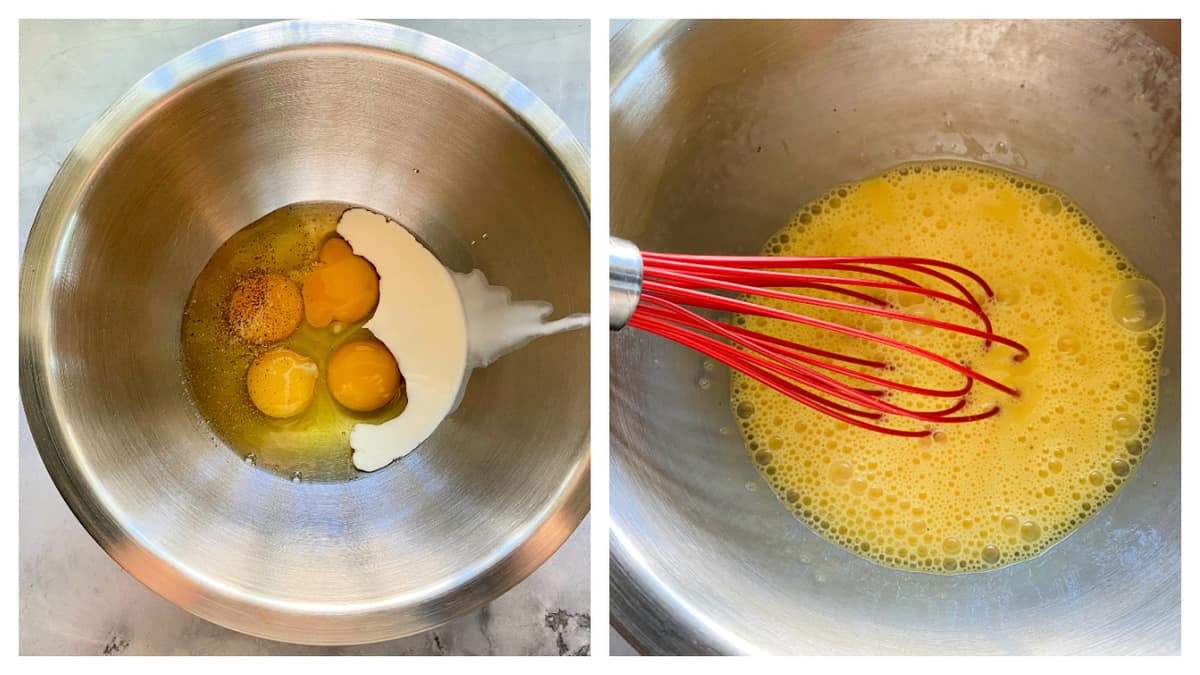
261,374
358,363
281,382
265,308
363,375
342,287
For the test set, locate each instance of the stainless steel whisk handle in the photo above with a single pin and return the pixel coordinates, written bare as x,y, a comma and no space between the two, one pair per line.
624,281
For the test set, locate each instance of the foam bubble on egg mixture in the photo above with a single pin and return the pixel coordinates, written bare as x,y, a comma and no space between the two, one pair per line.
439,325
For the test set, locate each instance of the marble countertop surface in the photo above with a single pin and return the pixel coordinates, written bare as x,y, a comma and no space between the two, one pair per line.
73,598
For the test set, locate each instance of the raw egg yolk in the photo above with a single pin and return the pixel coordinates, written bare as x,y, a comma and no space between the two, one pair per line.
265,308
343,286
363,375
281,382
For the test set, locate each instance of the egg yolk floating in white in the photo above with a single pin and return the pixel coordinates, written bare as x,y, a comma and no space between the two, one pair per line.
989,493
266,309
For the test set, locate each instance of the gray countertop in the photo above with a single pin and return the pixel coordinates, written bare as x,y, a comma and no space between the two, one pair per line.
73,598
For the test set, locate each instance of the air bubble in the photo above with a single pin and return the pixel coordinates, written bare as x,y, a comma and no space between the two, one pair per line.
990,554
1120,467
1125,424
1147,343
841,472
1050,205
745,410
1138,305
1067,344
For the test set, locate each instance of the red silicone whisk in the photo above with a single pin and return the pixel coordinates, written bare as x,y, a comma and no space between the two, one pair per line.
660,293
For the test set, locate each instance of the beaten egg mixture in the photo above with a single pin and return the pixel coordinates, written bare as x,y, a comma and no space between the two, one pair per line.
980,495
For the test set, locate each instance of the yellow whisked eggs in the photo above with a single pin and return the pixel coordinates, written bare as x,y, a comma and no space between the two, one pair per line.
342,287
980,495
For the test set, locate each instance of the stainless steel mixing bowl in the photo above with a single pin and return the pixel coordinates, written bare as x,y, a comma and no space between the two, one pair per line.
360,112
719,131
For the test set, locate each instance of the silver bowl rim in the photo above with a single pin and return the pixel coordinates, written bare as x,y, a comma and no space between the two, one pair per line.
55,221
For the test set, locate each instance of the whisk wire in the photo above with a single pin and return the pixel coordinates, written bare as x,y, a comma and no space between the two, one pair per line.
793,262
788,351
767,371
789,367
673,286
720,303
760,279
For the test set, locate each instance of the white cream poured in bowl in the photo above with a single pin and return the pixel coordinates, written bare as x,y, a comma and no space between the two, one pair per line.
438,325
